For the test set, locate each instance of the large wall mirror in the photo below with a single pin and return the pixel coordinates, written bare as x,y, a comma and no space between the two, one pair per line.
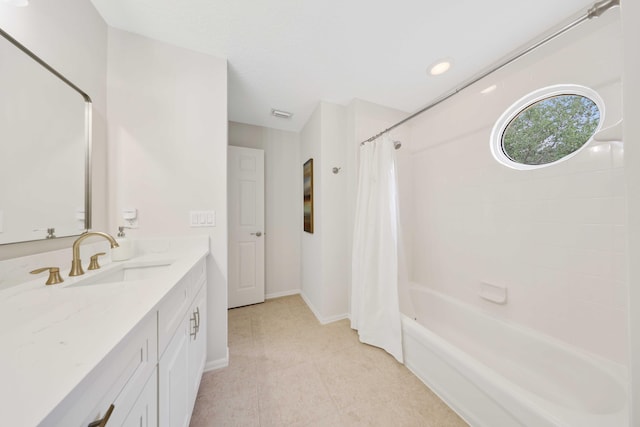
45,149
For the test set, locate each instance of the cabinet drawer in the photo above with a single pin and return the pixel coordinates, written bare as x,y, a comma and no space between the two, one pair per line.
171,311
118,380
198,276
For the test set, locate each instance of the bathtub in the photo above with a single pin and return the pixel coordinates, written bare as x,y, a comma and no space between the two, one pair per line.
498,374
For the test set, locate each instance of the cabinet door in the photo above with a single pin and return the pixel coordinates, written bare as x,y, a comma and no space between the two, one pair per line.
173,393
197,343
145,411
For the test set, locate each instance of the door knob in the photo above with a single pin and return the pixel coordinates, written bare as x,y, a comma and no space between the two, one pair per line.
257,233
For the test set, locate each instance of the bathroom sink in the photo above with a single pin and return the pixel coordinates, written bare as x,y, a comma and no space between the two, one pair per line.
126,273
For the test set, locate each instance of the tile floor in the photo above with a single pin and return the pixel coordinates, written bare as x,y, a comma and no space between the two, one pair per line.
286,369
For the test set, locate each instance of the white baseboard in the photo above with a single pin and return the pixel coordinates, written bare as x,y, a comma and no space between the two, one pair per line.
282,294
213,365
323,320
335,318
311,307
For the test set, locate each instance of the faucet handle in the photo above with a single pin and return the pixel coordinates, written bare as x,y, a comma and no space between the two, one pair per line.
54,275
93,264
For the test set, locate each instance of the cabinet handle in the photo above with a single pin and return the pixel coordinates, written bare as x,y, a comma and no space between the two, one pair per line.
194,332
196,323
104,420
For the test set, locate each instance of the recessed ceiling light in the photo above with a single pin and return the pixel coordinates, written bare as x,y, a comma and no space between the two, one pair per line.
281,114
440,67
17,3
488,89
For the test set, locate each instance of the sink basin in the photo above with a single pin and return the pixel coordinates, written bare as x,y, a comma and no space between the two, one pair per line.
126,273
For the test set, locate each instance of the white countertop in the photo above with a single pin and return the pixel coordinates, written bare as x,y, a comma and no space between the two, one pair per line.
51,337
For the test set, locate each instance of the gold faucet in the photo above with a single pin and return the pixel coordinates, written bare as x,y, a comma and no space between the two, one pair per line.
76,263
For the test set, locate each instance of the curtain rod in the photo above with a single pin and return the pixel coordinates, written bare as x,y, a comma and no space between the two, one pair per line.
593,12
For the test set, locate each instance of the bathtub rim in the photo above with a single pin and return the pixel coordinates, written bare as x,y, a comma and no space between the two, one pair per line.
500,389
616,370
475,371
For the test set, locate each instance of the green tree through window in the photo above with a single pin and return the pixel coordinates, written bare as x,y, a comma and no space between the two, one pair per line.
550,129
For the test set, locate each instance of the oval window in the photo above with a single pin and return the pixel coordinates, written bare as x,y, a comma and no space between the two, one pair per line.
547,126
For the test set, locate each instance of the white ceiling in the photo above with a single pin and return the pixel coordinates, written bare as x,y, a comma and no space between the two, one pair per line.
290,54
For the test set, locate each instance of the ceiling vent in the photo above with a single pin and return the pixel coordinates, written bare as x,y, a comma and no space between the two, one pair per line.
281,114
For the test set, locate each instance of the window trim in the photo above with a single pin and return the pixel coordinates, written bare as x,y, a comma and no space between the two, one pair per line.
528,100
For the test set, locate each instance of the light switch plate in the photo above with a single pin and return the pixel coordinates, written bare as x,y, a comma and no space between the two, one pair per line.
202,218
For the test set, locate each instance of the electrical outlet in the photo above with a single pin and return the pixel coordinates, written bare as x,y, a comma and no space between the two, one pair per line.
130,216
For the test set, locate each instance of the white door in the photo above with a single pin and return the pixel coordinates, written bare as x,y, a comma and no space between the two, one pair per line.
246,226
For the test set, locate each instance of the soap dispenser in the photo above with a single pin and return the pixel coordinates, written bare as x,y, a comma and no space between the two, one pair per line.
125,249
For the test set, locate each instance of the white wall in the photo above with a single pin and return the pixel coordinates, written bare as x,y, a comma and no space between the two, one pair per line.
631,28
283,203
312,261
75,44
333,211
555,237
324,253
167,112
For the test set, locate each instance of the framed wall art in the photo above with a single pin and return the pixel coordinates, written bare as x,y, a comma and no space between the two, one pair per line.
308,195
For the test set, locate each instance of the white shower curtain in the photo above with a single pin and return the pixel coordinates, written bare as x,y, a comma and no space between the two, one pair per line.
375,311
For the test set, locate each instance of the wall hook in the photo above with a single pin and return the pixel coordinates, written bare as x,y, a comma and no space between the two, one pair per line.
336,170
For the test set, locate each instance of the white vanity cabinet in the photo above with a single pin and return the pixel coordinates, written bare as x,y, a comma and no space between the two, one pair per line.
128,339
182,360
151,377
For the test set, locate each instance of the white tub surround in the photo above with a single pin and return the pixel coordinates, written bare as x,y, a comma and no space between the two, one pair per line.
498,374
55,338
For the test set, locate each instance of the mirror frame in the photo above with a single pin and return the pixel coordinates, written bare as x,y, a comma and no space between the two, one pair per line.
87,134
